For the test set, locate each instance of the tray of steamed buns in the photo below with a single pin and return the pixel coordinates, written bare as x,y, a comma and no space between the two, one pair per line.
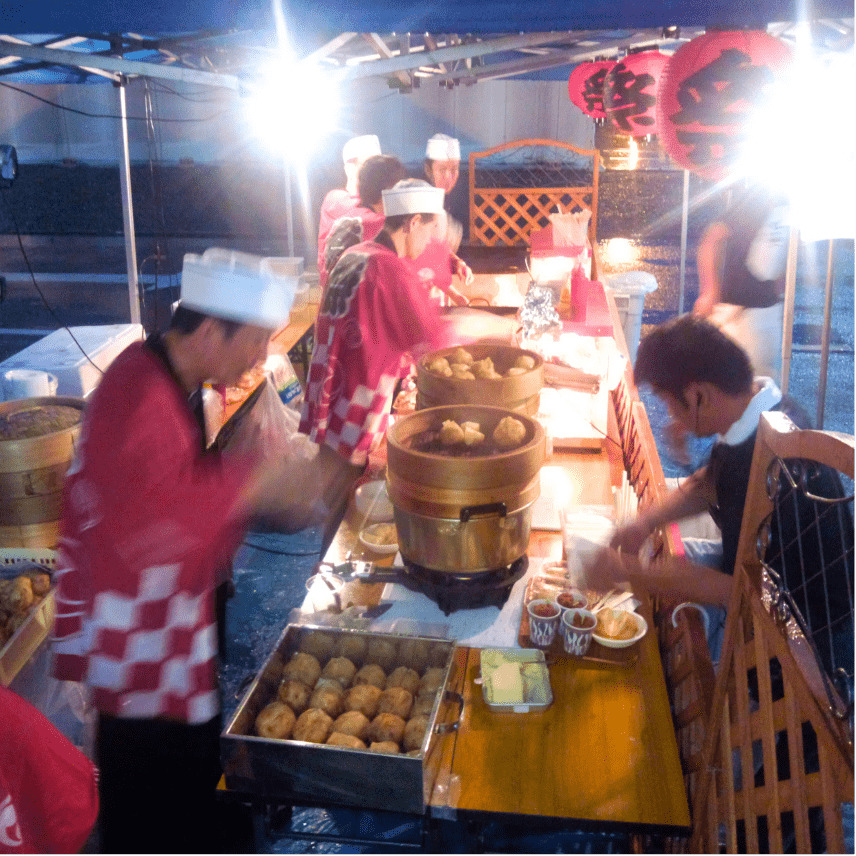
340,715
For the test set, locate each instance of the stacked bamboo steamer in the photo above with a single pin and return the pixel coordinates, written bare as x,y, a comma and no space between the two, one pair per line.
37,442
519,392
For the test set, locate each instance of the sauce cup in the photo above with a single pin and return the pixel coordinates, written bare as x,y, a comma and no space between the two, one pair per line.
577,628
544,615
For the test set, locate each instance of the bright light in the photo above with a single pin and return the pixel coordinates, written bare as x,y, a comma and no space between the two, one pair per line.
618,252
800,142
291,107
633,154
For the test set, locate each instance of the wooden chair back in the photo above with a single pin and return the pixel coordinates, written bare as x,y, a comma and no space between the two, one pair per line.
777,763
511,196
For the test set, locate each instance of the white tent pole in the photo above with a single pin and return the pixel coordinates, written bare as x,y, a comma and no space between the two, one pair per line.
790,300
685,215
289,215
128,212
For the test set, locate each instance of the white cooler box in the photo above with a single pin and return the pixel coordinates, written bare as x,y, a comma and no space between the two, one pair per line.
58,354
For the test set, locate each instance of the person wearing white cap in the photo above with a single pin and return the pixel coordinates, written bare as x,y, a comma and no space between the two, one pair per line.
340,201
365,219
373,314
439,263
150,521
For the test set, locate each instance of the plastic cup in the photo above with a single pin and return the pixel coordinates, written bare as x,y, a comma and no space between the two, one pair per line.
544,618
571,599
578,638
323,593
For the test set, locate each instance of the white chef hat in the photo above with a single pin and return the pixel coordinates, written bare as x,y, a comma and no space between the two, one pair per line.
442,147
412,196
361,148
236,287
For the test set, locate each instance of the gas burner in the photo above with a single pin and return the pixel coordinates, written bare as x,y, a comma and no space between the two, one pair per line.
451,591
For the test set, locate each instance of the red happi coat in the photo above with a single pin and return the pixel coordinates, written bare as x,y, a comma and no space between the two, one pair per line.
359,224
48,787
149,520
337,203
374,314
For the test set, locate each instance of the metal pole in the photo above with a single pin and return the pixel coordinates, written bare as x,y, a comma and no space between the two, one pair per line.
685,216
289,217
790,299
824,339
128,212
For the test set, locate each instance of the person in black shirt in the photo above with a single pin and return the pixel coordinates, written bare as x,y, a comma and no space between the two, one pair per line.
705,379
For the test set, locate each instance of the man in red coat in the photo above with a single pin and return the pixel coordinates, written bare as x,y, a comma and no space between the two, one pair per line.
338,202
151,519
373,321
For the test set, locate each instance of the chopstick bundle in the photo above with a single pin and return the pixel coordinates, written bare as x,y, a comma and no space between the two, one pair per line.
625,501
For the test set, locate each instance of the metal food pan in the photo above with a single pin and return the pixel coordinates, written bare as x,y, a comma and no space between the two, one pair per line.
293,770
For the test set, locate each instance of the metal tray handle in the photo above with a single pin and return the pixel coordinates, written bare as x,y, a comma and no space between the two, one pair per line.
449,727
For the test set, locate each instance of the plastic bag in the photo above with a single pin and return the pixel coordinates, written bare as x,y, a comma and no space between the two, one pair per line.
285,380
268,430
570,228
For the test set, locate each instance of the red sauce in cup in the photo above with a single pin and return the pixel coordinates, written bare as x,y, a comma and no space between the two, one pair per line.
543,610
582,621
568,600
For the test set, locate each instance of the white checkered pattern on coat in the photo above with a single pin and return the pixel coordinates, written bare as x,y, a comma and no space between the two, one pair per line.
163,630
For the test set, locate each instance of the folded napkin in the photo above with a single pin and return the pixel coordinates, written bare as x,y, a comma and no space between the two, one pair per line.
488,627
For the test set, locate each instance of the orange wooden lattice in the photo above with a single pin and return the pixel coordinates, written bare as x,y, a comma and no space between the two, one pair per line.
506,216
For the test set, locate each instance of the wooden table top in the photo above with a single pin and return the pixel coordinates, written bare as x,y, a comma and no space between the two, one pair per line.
604,752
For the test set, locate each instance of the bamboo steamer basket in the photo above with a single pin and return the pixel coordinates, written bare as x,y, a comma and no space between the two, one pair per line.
463,514
32,474
518,392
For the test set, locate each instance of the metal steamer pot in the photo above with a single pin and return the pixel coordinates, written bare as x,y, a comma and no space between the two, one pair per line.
518,392
463,515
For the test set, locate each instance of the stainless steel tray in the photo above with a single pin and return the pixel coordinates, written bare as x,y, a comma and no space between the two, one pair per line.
293,770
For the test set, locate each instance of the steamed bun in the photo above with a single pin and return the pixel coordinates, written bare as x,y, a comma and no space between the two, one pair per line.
451,433
461,355
509,433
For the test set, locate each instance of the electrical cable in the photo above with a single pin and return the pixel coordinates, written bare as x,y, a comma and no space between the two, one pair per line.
108,115
255,546
11,214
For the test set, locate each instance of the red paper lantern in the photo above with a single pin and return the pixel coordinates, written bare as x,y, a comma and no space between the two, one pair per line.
630,92
710,86
585,87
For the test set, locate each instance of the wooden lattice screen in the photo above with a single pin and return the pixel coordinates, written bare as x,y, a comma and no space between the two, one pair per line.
511,197
778,758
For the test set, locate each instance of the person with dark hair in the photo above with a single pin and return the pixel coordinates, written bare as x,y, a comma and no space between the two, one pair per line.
742,260
364,220
705,379
374,313
340,200
151,517
439,263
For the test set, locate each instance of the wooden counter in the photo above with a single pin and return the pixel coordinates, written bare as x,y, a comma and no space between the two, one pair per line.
604,754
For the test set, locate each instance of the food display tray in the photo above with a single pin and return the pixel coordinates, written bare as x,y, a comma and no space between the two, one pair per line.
597,653
537,692
294,770
29,636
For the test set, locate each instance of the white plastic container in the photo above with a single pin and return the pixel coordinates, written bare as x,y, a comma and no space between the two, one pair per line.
61,355
629,290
